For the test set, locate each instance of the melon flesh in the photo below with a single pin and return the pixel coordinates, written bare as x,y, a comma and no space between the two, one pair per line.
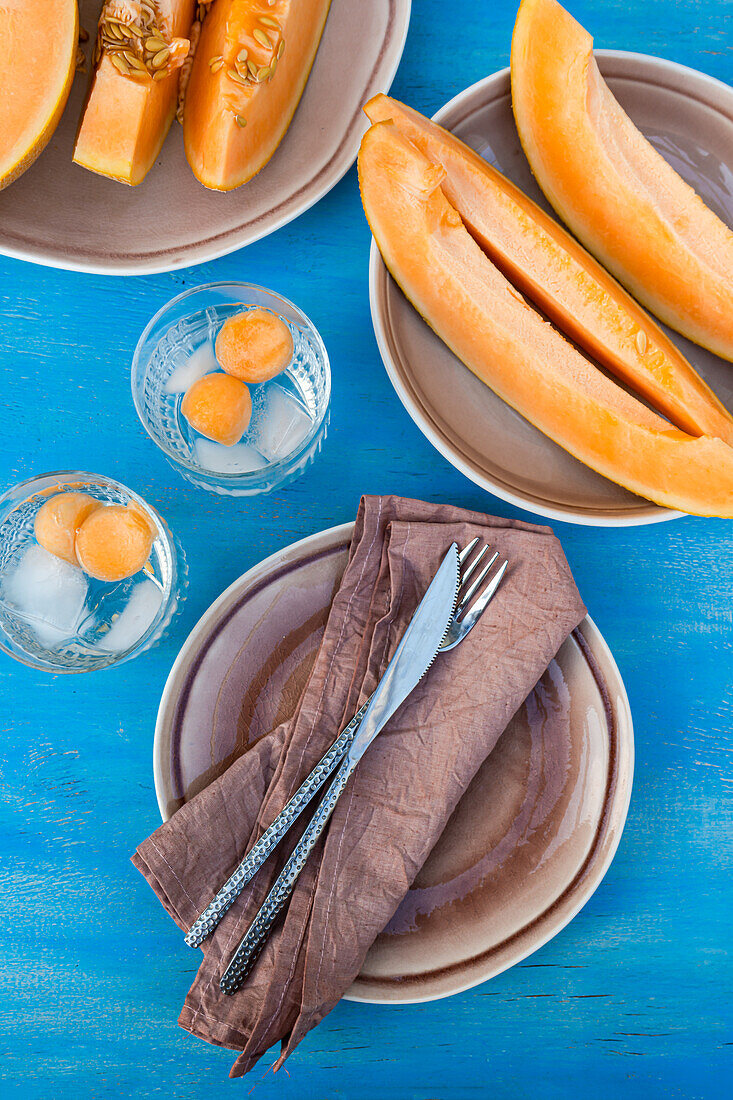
38,42
486,322
611,187
540,258
125,121
230,128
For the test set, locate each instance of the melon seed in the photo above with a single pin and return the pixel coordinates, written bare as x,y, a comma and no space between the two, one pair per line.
217,65
154,44
161,74
242,56
83,34
263,72
268,21
119,63
262,38
134,61
241,121
280,50
252,69
641,341
160,58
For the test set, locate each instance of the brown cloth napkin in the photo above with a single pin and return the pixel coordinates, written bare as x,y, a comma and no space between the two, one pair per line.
401,795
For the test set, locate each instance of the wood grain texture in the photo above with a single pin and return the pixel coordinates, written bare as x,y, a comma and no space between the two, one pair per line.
633,998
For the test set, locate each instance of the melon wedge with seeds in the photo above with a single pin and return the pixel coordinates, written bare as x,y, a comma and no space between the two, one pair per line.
548,265
250,69
38,43
126,118
487,323
616,193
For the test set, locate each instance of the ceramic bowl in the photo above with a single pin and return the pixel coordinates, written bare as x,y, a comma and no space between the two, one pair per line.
689,118
500,882
59,214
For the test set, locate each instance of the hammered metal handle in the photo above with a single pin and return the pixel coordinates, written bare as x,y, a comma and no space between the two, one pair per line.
246,954
205,924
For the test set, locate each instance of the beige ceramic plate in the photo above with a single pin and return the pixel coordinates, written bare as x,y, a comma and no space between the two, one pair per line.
689,118
529,842
61,215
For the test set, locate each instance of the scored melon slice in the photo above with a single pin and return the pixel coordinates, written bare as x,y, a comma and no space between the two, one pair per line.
127,116
540,258
251,66
611,187
487,323
38,43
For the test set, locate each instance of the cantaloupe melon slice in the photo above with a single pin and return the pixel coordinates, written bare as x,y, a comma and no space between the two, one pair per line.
251,66
611,187
548,265
131,103
486,322
38,42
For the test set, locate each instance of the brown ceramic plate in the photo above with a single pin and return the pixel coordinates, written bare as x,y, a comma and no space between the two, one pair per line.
689,118
62,215
532,837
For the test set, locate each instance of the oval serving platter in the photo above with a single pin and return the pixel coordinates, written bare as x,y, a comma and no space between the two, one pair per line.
688,117
527,845
61,215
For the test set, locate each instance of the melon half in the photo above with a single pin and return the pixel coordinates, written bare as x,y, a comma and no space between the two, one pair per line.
611,187
487,323
548,265
37,63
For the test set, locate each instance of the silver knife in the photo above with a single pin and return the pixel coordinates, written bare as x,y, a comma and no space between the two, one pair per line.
413,657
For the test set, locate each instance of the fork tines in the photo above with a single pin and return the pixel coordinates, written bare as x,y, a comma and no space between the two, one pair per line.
468,592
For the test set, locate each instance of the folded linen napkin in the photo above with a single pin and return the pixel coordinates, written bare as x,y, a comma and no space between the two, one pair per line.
402,793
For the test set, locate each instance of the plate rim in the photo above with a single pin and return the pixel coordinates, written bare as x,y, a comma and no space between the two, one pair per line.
617,807
378,270
126,269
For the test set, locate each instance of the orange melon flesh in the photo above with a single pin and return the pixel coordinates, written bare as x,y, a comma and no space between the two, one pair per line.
224,153
610,186
37,62
540,258
114,542
125,121
254,345
492,329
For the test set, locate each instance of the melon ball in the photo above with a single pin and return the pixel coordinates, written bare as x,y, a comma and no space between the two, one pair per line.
58,520
219,407
254,345
114,542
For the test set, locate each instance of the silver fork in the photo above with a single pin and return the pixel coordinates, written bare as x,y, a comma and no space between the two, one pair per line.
470,607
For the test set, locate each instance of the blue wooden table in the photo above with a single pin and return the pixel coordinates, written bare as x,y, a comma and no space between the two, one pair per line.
631,999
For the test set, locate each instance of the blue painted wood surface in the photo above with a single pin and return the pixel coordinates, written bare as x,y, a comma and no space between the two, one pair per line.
631,999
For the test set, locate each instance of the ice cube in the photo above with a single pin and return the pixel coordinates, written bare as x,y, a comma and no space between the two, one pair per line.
134,619
239,459
280,424
48,593
193,367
